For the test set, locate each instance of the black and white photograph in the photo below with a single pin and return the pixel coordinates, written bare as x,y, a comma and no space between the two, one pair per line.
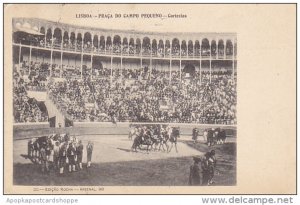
135,98
95,106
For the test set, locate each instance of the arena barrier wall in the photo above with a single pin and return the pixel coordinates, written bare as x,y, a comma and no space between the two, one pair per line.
29,130
30,125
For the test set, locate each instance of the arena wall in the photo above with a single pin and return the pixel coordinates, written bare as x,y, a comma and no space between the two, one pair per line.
28,130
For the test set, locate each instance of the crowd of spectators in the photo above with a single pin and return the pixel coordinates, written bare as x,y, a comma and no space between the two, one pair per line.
34,75
128,94
25,109
144,95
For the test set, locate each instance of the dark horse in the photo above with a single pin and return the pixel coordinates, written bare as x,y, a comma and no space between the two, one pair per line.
221,136
141,139
210,137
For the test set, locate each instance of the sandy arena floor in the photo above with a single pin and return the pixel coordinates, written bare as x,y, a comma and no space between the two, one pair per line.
109,148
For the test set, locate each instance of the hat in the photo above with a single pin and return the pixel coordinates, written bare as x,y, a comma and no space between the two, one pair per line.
197,158
207,154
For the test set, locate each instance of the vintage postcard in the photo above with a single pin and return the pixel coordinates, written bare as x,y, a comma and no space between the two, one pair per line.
150,99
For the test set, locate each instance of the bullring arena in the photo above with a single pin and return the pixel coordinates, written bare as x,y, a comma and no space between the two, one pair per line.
95,84
114,161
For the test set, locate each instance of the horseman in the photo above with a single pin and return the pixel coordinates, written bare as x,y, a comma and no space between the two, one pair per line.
143,137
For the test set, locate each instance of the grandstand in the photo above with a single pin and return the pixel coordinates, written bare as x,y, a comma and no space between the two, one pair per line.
65,74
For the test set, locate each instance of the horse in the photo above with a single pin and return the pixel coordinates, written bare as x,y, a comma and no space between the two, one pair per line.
210,137
140,140
221,137
36,145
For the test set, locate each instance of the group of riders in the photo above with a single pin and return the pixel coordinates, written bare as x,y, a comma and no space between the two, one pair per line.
158,137
63,152
211,136
154,137
59,152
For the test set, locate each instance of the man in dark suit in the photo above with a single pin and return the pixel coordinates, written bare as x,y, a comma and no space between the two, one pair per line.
194,178
79,152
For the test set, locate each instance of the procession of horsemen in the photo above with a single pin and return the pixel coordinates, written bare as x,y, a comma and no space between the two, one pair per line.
158,137
62,153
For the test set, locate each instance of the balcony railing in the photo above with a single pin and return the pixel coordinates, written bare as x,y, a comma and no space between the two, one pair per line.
129,51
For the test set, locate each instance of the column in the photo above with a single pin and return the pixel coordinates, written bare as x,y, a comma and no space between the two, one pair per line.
210,64
187,49
76,41
121,44
180,49
30,59
92,66
121,66
193,44
134,47
99,38
233,58
180,59
141,62
52,40
200,49
62,39
150,58
105,42
92,43
111,73
51,58
141,51
128,46
82,39
224,53
180,69
217,48
170,76
200,72
45,37
164,48
171,47
20,52
81,64
61,64
69,40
